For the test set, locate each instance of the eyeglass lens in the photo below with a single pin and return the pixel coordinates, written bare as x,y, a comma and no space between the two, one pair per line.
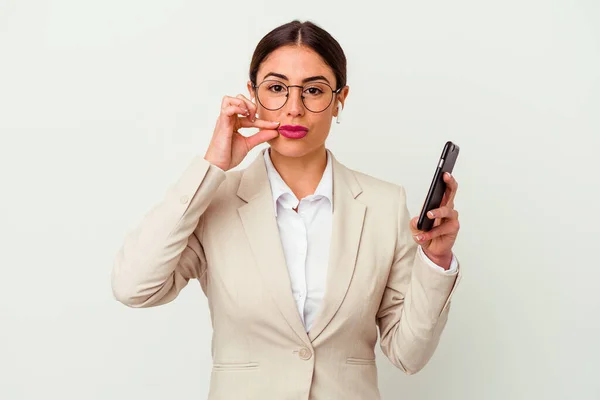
273,95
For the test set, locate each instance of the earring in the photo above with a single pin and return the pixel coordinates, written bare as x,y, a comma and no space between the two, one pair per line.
340,108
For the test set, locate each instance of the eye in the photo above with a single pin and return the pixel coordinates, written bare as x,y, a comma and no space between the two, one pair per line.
276,88
314,90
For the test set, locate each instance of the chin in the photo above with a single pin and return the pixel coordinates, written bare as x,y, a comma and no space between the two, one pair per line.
292,147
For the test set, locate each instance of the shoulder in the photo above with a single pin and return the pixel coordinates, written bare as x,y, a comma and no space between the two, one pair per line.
386,201
377,189
373,183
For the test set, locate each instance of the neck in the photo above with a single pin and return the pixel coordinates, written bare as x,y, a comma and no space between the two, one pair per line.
301,174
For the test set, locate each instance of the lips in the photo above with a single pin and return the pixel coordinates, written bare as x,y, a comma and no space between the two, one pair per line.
293,131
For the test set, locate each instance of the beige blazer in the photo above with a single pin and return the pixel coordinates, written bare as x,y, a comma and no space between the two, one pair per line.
220,229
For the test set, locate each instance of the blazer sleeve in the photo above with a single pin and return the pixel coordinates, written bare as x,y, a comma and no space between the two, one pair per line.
415,303
160,256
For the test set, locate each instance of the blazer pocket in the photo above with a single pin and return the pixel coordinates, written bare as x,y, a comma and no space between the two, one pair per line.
235,366
360,361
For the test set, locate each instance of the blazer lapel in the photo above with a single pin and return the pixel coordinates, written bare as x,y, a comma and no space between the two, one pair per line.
348,219
260,226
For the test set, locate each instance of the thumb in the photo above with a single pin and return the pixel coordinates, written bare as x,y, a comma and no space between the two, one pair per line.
261,137
413,225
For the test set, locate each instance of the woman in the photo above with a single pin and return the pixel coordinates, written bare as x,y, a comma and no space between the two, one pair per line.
300,257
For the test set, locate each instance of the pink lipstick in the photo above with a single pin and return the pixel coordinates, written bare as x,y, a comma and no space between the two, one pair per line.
293,131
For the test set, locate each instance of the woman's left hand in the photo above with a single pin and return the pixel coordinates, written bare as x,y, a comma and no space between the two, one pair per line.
437,243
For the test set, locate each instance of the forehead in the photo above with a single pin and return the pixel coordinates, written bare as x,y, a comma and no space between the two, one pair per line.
295,62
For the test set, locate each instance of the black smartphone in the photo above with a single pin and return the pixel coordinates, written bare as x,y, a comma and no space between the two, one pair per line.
438,186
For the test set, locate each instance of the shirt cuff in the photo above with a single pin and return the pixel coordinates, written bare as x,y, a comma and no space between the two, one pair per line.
450,271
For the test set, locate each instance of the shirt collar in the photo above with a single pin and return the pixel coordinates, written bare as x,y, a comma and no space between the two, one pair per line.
282,192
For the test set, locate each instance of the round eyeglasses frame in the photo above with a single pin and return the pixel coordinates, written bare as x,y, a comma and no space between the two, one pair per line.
287,96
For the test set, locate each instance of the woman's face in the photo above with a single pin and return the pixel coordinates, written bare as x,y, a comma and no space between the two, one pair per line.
297,65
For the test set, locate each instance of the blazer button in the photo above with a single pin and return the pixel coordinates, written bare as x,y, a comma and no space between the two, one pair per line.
305,353
184,199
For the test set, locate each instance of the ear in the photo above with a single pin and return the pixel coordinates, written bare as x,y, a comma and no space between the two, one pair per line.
341,99
251,92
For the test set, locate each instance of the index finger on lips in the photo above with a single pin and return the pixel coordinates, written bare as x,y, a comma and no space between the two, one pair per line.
259,123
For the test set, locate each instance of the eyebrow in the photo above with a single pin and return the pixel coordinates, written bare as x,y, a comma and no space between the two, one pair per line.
309,79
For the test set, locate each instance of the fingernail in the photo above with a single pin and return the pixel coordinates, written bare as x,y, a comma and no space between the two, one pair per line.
419,237
246,112
431,214
276,122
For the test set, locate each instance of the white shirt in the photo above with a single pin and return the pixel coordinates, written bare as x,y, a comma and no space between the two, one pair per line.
306,236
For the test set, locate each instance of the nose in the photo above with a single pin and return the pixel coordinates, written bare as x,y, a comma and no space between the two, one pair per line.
295,107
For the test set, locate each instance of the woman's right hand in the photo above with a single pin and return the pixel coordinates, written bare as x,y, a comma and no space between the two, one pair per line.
228,147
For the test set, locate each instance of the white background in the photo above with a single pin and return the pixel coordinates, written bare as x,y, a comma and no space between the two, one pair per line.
103,104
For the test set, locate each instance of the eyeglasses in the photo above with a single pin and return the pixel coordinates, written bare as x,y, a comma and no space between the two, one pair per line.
316,96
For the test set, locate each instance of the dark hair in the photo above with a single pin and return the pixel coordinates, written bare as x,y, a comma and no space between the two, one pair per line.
302,34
